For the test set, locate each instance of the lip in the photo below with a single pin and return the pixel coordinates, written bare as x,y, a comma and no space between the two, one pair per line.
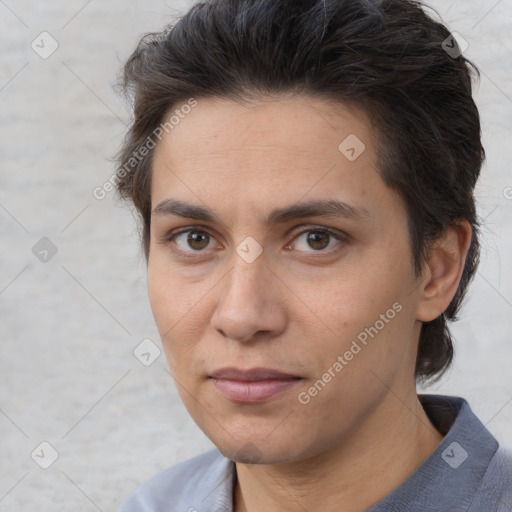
255,385
251,374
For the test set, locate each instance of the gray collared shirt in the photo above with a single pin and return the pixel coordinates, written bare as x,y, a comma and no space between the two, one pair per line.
466,472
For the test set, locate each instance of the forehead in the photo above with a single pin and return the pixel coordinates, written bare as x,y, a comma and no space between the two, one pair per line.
293,125
267,151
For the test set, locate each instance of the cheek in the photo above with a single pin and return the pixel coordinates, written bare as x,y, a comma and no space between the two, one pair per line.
168,297
179,314
369,305
165,305
348,304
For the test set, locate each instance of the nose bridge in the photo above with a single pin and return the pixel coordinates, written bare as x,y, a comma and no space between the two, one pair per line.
248,265
247,304
245,280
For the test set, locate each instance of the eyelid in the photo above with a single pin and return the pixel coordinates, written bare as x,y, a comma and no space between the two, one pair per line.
304,228
167,237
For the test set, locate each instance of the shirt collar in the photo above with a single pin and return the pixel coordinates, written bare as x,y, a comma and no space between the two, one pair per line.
447,480
450,477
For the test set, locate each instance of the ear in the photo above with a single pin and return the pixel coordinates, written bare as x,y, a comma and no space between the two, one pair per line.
442,272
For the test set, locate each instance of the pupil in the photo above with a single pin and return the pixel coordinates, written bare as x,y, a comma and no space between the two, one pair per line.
197,240
318,240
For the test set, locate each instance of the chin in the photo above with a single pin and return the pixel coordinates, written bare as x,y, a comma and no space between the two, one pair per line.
258,452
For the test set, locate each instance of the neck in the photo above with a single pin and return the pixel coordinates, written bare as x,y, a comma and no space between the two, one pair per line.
352,476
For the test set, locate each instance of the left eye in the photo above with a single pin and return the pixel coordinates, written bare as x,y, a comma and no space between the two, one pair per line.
317,239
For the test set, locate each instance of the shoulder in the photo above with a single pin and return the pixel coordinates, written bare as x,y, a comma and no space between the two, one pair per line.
184,486
495,490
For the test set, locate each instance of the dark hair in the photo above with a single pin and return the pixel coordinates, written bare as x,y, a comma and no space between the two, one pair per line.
387,57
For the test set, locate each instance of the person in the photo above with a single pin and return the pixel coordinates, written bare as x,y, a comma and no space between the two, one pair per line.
304,173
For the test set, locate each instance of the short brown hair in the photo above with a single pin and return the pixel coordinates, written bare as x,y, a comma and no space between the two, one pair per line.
388,57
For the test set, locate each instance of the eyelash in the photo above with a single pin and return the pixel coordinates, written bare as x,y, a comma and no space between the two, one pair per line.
169,240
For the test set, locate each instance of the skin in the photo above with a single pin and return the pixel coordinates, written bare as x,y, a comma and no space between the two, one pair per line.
296,307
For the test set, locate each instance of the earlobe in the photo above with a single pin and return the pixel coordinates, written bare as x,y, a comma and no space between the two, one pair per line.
443,271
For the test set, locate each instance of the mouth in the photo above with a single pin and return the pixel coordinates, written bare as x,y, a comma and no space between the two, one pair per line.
256,385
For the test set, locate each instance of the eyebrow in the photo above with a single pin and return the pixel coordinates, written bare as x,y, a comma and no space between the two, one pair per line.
315,208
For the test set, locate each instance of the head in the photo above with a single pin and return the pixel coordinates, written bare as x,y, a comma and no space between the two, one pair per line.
244,111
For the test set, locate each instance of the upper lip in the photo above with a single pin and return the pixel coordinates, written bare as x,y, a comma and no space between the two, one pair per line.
251,374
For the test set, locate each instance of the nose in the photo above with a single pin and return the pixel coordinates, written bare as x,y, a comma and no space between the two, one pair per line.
251,306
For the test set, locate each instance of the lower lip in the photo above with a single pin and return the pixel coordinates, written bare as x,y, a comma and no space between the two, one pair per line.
257,391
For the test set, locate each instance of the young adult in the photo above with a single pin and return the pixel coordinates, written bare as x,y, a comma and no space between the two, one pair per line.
304,172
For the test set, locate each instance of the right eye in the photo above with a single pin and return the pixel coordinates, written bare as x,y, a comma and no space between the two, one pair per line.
192,241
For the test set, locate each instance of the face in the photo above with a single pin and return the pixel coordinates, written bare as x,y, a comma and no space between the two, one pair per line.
280,274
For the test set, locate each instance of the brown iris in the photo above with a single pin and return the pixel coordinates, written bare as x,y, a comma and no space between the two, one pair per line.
318,240
198,240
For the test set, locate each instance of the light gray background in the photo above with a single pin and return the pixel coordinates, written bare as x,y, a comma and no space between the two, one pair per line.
68,326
